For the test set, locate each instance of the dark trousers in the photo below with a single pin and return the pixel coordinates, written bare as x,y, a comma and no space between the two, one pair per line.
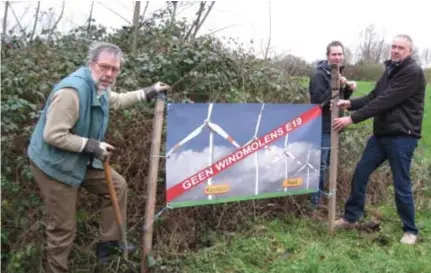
325,156
399,152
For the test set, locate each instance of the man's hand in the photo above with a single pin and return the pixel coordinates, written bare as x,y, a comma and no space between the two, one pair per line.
152,91
351,84
343,80
340,123
101,150
344,104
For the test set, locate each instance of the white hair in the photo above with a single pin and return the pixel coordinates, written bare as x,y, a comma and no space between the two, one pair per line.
99,47
407,38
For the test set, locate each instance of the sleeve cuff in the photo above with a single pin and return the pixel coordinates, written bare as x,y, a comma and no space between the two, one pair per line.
141,95
353,104
84,142
355,118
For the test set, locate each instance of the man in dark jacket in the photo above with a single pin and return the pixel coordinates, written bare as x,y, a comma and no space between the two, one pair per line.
397,106
320,92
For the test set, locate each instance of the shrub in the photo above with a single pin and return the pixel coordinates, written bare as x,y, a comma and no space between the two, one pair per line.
364,72
428,75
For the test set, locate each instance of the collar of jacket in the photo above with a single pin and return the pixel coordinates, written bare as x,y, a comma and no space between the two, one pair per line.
324,64
391,65
84,73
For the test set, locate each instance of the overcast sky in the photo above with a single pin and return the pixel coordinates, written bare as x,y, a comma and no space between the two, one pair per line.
302,28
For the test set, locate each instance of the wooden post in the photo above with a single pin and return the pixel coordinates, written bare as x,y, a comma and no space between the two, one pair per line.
115,204
335,87
147,236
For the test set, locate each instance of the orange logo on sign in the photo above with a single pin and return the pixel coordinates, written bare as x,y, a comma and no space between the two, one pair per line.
292,182
217,189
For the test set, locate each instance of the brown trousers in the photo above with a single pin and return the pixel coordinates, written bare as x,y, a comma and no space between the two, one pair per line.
60,203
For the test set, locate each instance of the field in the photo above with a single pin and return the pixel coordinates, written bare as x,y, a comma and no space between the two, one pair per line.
302,245
294,244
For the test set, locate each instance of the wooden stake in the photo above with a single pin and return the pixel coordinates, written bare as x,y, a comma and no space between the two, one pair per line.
335,86
147,237
114,200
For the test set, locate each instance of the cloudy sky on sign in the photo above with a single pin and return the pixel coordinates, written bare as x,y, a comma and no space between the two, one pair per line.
302,28
239,121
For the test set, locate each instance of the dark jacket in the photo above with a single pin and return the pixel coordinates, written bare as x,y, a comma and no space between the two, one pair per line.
396,102
320,91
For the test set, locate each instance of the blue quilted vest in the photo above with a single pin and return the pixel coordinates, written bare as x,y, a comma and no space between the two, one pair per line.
69,167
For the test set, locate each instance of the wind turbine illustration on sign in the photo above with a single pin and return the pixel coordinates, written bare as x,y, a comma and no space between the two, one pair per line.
309,166
286,154
213,128
256,156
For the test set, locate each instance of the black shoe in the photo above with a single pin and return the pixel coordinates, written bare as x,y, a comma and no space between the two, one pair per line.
108,248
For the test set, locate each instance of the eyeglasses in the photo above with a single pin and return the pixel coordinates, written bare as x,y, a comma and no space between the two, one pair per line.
107,67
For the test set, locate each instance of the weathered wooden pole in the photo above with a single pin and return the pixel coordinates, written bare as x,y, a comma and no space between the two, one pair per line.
115,204
147,237
335,87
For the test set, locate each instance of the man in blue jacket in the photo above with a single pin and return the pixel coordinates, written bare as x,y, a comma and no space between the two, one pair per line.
68,146
320,92
397,106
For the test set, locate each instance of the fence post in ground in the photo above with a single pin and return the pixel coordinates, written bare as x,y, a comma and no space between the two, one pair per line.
335,87
147,237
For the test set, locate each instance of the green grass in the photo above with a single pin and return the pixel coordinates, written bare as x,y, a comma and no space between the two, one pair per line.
302,245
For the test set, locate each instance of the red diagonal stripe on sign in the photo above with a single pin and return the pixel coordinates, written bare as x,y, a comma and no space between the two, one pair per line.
241,153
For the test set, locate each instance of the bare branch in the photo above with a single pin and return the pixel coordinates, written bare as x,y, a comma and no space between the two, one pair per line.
223,28
116,13
348,55
145,11
203,19
35,21
90,17
426,57
196,22
58,20
23,14
371,48
174,11
16,18
5,17
269,38
137,11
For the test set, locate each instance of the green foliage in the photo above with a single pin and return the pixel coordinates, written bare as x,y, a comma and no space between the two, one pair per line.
364,72
428,75
23,259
